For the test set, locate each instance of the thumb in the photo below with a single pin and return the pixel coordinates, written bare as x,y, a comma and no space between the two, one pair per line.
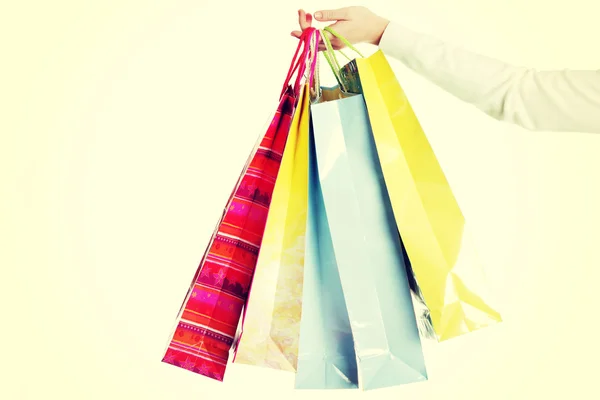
332,15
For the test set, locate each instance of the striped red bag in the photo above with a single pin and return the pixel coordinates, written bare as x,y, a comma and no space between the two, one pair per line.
208,319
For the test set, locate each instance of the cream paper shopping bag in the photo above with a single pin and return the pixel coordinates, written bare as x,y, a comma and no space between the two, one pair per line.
271,325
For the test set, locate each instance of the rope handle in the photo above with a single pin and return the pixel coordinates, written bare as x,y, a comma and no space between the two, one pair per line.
301,58
331,57
343,40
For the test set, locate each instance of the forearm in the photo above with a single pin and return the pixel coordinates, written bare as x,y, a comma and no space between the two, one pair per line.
536,100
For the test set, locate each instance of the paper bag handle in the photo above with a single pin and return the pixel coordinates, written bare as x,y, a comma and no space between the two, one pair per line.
301,58
343,40
331,57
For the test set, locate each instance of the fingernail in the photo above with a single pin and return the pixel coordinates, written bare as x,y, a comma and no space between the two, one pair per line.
318,15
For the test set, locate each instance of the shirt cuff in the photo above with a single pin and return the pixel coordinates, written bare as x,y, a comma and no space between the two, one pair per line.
398,42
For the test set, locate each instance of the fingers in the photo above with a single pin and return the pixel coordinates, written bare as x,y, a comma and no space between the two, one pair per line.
304,19
335,43
332,15
305,22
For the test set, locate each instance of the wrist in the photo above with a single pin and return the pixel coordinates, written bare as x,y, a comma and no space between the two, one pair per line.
379,29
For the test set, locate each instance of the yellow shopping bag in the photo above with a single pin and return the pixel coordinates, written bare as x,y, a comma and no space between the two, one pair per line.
431,224
271,326
430,221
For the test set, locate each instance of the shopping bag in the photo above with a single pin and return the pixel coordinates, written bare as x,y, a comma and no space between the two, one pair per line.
269,336
271,324
209,316
433,228
367,246
326,356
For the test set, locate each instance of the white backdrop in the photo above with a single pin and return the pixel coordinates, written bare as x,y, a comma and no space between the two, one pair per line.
124,125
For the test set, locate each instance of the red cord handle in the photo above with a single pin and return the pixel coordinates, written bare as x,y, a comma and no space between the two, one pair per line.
303,56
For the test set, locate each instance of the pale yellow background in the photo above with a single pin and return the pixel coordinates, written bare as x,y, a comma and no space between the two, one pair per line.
124,128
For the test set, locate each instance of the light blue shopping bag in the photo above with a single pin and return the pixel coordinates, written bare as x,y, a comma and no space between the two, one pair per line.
367,247
326,357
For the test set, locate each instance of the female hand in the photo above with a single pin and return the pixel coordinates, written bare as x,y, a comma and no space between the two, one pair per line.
356,24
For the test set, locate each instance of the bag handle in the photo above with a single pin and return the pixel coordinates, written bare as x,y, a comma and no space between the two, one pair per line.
343,40
312,57
301,57
315,85
298,56
331,57
293,66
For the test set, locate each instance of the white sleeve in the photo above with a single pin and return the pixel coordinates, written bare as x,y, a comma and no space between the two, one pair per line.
563,100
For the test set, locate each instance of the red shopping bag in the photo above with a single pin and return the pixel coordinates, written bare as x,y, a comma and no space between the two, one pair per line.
208,319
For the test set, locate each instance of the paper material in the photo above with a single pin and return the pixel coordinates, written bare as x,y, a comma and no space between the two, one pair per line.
367,246
210,314
432,226
271,326
326,359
